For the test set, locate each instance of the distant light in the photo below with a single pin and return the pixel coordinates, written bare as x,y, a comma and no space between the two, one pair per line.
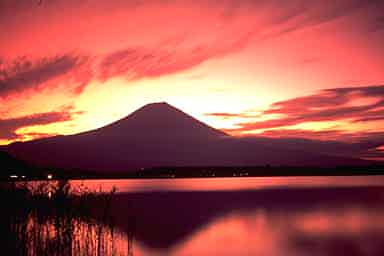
23,177
13,176
49,176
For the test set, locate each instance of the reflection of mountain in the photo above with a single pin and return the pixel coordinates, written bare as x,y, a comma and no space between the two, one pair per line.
163,220
161,135
321,221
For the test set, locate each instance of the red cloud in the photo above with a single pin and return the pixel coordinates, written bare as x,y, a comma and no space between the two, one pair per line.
328,135
133,63
23,74
231,24
327,105
139,62
224,115
9,126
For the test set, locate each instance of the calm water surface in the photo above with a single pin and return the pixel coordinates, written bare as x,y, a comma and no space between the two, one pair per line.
235,216
251,216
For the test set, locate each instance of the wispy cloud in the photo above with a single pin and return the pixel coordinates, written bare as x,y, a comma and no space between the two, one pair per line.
132,63
377,138
232,24
23,74
139,62
355,104
225,115
8,127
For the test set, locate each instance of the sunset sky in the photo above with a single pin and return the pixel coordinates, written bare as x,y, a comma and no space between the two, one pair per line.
299,68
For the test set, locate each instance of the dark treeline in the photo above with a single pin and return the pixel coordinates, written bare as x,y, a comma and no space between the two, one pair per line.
257,171
12,169
215,171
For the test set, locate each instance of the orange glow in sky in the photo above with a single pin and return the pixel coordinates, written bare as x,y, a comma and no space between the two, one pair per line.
273,68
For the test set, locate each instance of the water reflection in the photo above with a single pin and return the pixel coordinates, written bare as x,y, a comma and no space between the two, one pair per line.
261,232
331,220
230,184
272,222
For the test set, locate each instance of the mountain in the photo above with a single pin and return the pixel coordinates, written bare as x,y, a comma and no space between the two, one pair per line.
11,166
160,135
157,121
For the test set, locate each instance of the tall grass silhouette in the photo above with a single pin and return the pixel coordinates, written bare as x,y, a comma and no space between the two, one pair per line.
53,218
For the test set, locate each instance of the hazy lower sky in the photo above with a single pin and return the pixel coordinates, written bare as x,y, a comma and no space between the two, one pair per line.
295,68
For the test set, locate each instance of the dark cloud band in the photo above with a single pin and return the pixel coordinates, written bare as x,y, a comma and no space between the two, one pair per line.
8,127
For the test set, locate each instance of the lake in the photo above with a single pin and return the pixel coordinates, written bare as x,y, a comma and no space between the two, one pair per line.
226,216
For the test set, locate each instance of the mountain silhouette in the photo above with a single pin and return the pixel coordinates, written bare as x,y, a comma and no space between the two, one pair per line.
157,121
158,134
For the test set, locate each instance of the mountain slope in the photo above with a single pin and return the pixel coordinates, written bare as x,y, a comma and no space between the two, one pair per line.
160,135
158,120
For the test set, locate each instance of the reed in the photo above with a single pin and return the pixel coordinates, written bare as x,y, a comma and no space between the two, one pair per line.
53,218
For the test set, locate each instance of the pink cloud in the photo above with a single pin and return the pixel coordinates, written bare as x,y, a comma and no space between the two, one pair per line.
137,63
327,105
23,74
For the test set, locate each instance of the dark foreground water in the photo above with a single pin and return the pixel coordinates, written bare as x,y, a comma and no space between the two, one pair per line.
223,216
